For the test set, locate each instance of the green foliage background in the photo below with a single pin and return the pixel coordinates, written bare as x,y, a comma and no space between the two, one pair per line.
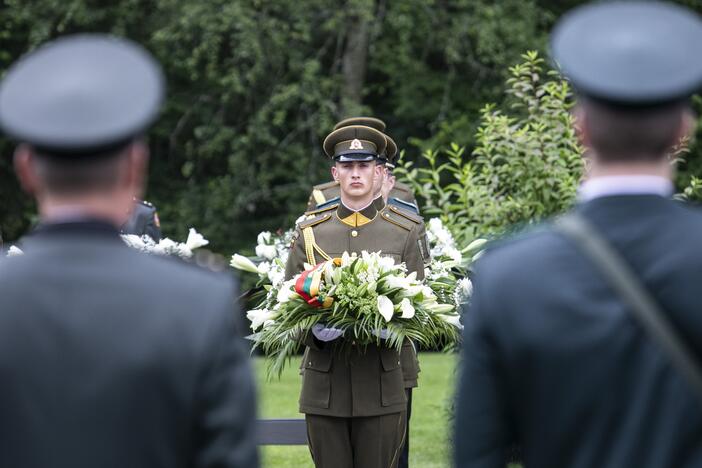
254,86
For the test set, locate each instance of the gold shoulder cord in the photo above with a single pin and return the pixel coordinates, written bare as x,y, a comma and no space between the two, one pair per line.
311,246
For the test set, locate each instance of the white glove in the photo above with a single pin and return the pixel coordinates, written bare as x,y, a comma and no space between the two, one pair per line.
383,334
325,334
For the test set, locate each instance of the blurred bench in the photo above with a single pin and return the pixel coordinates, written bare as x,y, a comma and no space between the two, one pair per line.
281,432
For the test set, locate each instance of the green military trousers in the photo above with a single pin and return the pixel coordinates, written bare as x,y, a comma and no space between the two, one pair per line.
359,442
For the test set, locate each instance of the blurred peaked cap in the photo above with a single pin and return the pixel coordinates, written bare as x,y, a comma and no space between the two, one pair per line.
390,149
79,94
630,53
366,121
354,143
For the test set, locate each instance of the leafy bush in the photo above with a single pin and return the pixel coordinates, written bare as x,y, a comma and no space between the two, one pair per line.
526,164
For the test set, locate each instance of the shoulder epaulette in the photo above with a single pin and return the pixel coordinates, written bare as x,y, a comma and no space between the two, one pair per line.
391,216
332,201
406,214
403,204
315,220
403,188
321,209
326,185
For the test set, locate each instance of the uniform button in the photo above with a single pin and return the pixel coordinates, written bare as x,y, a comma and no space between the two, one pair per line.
309,363
398,363
354,233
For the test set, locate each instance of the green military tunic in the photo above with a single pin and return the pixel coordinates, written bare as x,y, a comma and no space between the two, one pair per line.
374,384
322,193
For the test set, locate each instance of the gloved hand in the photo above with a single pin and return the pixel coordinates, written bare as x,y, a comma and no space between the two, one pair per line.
383,334
325,334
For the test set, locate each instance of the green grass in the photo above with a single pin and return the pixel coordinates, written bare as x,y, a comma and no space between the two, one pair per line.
429,426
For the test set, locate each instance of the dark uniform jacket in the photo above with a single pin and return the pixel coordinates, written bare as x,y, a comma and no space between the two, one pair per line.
370,383
114,358
143,221
555,361
323,193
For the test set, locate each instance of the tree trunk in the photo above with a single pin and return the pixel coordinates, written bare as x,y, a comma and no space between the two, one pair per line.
353,66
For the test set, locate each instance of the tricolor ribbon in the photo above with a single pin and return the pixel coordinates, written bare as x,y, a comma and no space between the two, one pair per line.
308,284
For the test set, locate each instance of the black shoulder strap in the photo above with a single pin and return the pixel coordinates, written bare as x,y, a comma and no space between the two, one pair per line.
644,307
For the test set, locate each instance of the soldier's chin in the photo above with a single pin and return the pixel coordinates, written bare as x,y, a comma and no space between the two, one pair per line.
357,191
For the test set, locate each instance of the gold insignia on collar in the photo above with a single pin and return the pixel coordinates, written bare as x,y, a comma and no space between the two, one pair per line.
355,220
356,144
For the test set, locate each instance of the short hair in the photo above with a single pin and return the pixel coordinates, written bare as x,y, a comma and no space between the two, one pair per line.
632,134
78,175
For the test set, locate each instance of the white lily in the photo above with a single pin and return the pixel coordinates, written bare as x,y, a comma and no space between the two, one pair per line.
475,245
285,293
242,263
269,252
407,309
263,238
263,268
454,320
345,259
386,263
441,308
258,317
195,240
385,307
401,282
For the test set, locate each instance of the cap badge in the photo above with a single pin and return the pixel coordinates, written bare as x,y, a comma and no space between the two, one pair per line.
356,144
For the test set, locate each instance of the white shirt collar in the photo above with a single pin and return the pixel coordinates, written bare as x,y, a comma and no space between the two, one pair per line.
624,185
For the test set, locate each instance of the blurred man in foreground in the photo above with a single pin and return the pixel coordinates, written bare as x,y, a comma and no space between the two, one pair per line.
556,357
108,357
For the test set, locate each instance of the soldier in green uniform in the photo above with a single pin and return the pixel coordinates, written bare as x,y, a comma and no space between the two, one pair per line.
329,191
143,221
355,404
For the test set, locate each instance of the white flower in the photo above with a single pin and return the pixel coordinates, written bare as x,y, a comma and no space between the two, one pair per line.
346,259
386,263
263,268
401,282
14,251
133,241
464,289
165,246
269,252
258,317
475,245
242,263
407,309
285,293
454,320
263,238
276,275
454,254
195,240
441,308
385,308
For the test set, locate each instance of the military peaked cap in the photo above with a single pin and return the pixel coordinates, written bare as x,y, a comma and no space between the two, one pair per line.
371,122
391,147
81,95
630,53
355,143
